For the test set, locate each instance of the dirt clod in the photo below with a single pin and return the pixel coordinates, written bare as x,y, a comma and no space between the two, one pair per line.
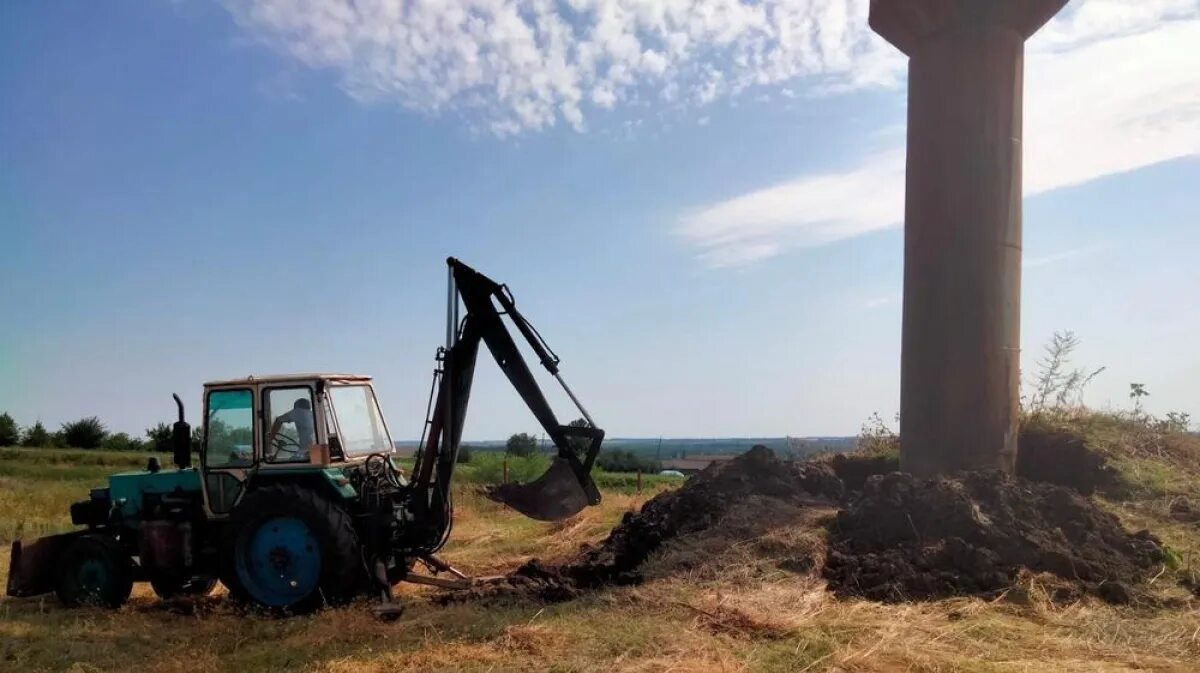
855,468
908,538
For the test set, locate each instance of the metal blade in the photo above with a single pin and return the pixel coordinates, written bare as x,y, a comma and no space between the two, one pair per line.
554,496
33,565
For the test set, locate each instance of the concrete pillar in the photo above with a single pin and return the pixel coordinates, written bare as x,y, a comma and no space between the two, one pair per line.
960,356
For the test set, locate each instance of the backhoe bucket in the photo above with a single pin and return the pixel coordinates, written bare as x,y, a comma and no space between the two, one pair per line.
558,494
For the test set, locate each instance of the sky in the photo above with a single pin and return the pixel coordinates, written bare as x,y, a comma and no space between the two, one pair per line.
698,203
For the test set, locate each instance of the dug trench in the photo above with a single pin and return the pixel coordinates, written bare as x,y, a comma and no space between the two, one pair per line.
882,535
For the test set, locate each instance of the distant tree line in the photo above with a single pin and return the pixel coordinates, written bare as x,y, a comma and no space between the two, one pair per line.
88,433
616,460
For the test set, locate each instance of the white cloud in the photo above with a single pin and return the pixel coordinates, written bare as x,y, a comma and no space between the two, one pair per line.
1112,87
811,210
1112,105
520,65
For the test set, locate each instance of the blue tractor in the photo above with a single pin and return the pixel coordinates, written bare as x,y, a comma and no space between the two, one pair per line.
298,501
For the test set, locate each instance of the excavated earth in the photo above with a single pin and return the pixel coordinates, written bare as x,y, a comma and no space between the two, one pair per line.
905,538
894,537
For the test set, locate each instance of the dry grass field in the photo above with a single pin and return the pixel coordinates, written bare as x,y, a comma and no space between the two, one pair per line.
707,605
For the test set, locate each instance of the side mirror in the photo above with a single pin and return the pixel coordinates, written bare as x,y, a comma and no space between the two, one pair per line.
181,438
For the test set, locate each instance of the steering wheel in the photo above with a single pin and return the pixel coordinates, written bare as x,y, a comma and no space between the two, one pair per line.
282,442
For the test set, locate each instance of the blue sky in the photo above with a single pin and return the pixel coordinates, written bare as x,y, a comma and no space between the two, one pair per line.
697,203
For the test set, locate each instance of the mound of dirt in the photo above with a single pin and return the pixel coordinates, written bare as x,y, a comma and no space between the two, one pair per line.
1046,454
1056,456
700,503
907,538
755,479
895,538
855,468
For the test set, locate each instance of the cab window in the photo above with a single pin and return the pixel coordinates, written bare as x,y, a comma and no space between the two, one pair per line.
358,418
229,429
292,430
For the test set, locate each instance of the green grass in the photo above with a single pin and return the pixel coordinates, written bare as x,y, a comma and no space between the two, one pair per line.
488,468
37,486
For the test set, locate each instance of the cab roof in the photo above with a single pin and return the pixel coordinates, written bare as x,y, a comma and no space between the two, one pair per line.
283,378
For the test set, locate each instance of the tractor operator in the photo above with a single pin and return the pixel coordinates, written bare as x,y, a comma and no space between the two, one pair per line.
302,417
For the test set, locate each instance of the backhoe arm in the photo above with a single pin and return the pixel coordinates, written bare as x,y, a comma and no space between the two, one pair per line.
567,486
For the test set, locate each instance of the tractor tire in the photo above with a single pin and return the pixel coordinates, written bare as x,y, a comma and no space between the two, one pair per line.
94,570
171,587
292,550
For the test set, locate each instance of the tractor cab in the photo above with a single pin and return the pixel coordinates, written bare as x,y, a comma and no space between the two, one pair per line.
284,426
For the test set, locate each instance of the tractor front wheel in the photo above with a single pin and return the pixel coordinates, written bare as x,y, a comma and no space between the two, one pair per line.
293,550
94,570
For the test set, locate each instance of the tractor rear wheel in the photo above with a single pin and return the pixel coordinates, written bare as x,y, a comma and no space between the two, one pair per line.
167,586
94,570
292,550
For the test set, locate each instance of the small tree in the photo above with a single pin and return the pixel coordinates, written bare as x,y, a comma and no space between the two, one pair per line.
1176,422
1057,387
85,433
1136,392
37,437
121,441
10,432
159,438
521,444
464,453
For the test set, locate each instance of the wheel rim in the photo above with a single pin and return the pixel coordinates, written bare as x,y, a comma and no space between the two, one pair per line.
279,562
92,577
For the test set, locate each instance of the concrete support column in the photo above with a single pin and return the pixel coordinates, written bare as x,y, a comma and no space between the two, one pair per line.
960,356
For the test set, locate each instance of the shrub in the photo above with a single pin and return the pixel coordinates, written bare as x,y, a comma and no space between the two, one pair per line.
487,467
37,437
521,445
10,432
1177,422
159,438
85,433
121,441
877,438
1057,387
464,453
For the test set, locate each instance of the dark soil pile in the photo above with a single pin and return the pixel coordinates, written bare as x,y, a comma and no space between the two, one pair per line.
1056,456
906,538
698,505
1046,454
895,538
855,468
